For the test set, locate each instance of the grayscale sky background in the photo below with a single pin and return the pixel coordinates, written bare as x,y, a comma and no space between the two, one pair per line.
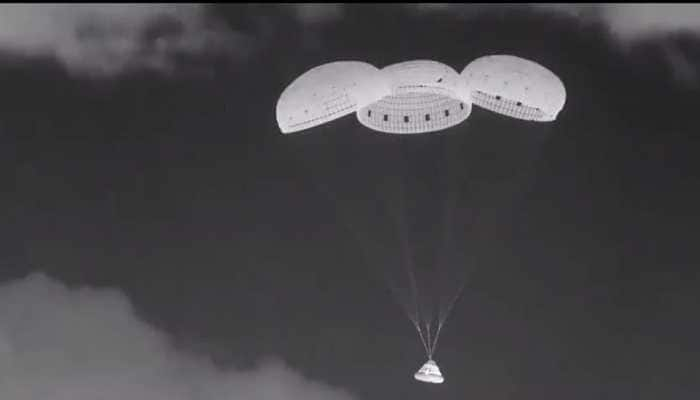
163,240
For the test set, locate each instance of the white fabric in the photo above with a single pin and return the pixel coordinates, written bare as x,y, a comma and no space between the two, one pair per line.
328,92
515,87
426,96
419,96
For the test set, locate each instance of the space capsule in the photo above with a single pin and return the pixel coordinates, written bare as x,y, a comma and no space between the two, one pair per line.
429,372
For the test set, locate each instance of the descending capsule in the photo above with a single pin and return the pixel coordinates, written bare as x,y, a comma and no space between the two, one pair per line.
429,372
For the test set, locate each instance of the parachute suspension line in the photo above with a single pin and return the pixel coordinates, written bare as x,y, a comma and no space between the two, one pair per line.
430,347
416,297
443,318
424,342
345,221
451,190
444,249
454,186
414,289
407,261
402,303
396,213
435,339
460,181
408,264
409,307
408,257
450,305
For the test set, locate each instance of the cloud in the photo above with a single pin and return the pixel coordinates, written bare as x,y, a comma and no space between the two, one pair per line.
626,21
318,13
631,22
639,21
108,39
628,24
60,343
684,71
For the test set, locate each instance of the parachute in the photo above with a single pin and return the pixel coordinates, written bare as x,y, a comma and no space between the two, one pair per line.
328,92
425,96
515,87
412,101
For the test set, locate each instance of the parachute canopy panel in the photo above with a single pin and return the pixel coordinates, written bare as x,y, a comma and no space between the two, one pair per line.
430,373
426,96
328,92
421,76
515,87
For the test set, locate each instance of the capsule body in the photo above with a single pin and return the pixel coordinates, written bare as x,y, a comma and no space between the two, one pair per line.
430,373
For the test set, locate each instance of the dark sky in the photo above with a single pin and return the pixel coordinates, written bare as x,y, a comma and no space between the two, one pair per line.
235,239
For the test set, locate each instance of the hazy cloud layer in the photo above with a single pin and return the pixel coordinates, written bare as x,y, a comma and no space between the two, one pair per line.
626,21
106,39
639,21
60,343
317,13
632,23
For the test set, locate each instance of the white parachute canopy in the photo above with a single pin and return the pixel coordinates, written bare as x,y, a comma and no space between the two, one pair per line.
515,87
426,96
416,97
328,92
419,96
430,373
